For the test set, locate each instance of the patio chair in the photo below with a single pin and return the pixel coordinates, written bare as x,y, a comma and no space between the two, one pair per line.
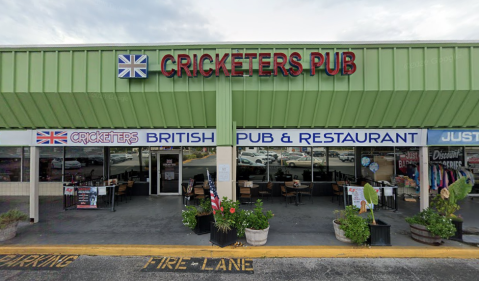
245,192
121,192
199,194
268,192
186,195
308,192
338,193
287,194
129,188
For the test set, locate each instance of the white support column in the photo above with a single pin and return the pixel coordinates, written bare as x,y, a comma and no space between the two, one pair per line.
224,156
34,177
424,177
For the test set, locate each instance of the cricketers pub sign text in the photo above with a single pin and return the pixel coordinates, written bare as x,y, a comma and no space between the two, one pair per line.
231,65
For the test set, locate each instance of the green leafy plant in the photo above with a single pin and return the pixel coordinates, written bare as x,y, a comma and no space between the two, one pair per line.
372,198
354,226
256,219
228,216
446,202
435,223
189,215
12,216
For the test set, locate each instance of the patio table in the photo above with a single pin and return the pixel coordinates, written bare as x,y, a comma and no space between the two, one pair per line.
297,191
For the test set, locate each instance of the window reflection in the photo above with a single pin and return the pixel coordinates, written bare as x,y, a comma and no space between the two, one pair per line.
195,162
10,163
51,159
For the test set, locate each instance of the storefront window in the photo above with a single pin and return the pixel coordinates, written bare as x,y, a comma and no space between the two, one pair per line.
195,162
407,159
10,163
472,161
451,157
26,164
51,161
83,163
342,159
251,164
125,163
377,163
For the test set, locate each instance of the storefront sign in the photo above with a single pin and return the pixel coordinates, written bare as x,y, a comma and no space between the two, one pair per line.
169,137
451,158
87,197
16,138
333,137
453,137
269,64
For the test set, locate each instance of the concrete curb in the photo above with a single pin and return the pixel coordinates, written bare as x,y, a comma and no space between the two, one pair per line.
246,252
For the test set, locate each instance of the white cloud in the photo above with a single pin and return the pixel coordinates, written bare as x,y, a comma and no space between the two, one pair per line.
148,21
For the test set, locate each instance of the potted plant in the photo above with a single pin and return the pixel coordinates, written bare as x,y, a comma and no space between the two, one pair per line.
224,230
199,218
349,227
380,231
257,225
429,227
446,203
9,222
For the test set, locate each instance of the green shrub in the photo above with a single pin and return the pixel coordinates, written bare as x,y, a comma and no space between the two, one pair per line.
435,223
10,217
189,215
354,226
256,219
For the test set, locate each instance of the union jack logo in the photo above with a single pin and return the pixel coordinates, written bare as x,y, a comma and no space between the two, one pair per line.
52,137
132,66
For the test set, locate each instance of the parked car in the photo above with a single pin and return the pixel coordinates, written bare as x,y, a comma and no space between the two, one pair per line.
333,153
299,154
318,153
115,158
128,156
69,163
98,160
305,161
246,165
347,156
254,157
270,153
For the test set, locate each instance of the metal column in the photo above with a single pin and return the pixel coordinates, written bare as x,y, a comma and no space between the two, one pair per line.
34,182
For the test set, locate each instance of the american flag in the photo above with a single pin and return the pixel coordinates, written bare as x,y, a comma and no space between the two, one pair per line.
132,66
215,199
52,137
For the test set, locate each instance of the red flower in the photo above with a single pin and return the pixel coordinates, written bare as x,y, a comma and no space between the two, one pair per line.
222,209
232,210
214,212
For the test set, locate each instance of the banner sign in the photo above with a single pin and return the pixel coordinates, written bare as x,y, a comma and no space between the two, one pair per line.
453,137
329,137
87,197
16,138
357,192
123,137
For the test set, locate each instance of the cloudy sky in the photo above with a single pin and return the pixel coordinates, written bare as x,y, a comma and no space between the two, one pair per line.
160,21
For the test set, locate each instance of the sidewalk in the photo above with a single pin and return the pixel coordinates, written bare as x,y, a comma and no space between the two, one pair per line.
152,226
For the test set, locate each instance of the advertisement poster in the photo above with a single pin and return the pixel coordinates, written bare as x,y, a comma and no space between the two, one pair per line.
87,197
450,157
68,190
357,192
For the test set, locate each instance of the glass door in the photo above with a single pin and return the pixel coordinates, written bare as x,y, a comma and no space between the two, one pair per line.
169,164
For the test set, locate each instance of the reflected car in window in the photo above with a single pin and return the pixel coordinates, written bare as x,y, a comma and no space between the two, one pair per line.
252,167
69,163
305,161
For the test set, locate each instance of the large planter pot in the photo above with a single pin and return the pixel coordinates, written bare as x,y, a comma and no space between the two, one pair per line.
8,232
458,234
380,234
340,233
221,238
203,224
256,237
421,234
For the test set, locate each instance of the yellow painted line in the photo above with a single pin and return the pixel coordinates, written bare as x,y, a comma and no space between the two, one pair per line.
247,252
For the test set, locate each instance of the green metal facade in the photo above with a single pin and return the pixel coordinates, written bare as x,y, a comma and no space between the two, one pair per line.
403,85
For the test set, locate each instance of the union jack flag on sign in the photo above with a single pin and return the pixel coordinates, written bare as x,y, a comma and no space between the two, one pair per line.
52,137
132,66
215,199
